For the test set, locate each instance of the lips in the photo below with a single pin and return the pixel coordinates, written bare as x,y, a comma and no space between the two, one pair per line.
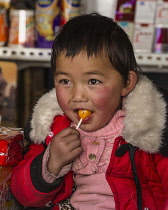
87,118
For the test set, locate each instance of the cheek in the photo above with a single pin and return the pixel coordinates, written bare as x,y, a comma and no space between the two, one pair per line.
107,100
100,99
61,98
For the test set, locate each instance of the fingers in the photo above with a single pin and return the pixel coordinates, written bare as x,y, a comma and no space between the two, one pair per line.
69,131
65,147
67,135
76,152
74,143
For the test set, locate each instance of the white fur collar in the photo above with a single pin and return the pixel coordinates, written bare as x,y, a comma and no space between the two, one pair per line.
145,116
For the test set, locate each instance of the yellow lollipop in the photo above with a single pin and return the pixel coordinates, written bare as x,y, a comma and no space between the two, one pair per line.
83,114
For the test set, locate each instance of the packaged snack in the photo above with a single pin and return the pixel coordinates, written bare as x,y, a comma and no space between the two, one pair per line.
22,29
5,3
4,27
69,8
125,10
11,146
47,17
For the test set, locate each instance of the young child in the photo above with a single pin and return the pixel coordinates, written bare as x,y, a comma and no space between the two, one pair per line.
117,158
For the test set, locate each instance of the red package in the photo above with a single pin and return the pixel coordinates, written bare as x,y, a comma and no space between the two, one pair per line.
11,146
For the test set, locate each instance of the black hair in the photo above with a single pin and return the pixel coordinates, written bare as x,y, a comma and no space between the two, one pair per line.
95,34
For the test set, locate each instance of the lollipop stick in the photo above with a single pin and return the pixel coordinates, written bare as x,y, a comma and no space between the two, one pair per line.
79,123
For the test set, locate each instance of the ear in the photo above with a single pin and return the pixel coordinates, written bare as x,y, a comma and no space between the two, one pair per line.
131,82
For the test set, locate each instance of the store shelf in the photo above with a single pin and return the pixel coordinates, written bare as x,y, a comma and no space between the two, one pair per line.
43,55
25,54
153,59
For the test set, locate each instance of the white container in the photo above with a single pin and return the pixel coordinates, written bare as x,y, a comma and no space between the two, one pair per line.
162,13
145,11
104,7
22,28
143,38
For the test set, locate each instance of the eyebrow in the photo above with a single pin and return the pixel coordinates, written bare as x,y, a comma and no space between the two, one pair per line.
60,72
95,72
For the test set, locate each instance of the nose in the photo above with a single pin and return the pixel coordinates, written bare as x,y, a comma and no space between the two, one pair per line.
79,94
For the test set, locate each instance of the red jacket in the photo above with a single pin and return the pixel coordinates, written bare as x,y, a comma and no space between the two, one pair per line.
138,169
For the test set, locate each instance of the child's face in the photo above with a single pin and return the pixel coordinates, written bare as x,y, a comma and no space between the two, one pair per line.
91,84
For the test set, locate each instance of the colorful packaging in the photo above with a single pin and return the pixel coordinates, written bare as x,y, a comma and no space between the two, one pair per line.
125,10
5,3
3,27
22,29
47,18
11,146
161,40
69,8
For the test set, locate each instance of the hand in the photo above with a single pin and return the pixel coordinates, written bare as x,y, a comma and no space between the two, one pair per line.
64,148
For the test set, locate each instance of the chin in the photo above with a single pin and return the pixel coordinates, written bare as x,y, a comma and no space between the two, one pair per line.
87,128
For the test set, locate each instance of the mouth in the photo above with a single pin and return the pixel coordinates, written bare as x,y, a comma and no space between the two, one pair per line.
87,118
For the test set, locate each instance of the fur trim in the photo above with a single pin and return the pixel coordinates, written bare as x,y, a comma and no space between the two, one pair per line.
43,114
145,116
144,122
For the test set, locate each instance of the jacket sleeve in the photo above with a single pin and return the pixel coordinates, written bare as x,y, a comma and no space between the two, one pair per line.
162,169
28,185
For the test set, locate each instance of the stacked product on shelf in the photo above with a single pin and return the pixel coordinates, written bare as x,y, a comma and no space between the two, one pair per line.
31,23
4,24
22,28
47,16
125,13
35,24
50,16
161,27
146,22
144,25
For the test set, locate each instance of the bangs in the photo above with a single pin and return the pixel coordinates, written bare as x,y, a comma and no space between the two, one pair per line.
95,35
86,36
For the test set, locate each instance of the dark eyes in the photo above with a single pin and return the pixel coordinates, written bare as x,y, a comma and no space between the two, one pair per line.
90,82
93,82
64,81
